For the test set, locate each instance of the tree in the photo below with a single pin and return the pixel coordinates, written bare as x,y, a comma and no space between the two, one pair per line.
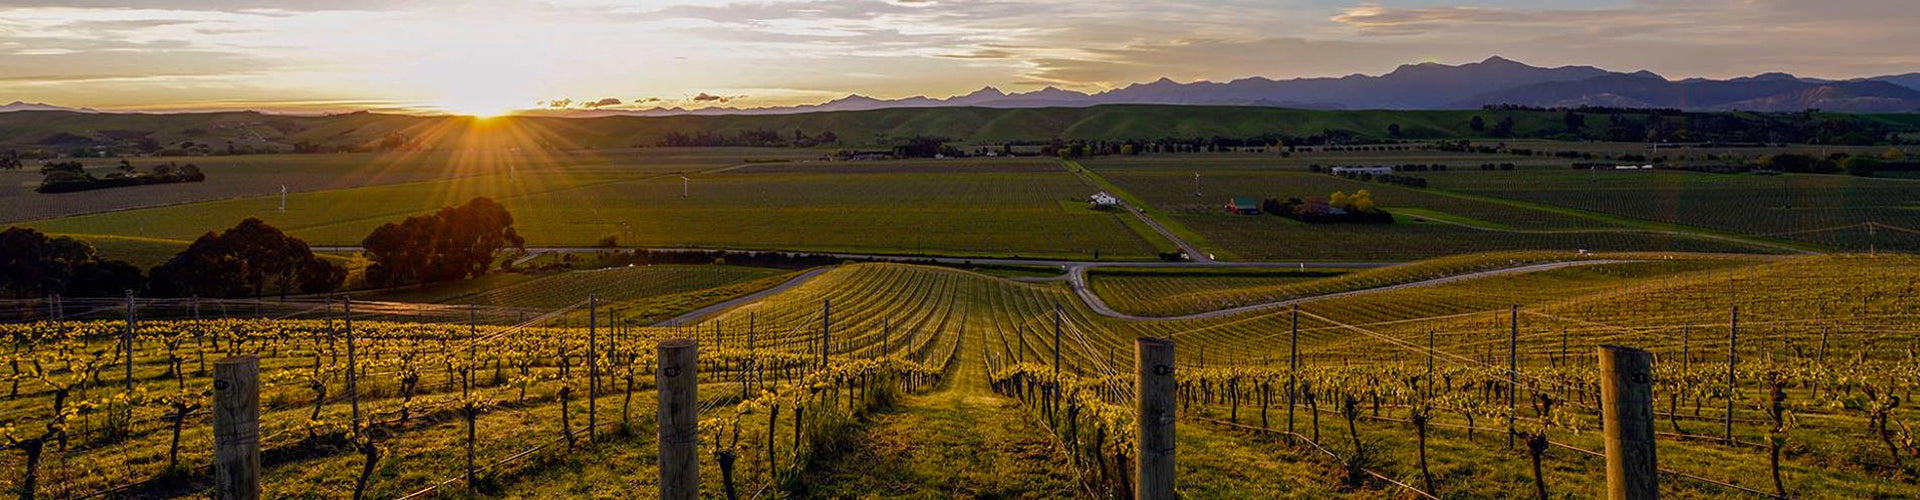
10,160
453,243
1575,121
1393,130
1504,128
1477,124
245,260
1862,166
32,264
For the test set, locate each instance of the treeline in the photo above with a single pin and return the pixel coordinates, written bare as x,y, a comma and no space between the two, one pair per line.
33,264
1338,208
254,259
66,177
1672,126
248,259
748,138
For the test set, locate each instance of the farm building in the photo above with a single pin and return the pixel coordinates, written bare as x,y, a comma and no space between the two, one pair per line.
1376,170
1102,201
1243,206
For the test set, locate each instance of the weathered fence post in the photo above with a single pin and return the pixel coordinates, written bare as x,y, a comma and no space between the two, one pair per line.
129,341
1293,365
679,419
826,330
1154,447
1626,383
593,368
1513,368
1733,341
236,428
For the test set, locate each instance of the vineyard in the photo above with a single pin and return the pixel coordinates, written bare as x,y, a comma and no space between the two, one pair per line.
1775,377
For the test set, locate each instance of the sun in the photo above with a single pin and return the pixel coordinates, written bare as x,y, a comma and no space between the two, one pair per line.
478,110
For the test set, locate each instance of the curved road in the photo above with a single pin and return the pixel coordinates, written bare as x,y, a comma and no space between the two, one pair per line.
697,314
1079,284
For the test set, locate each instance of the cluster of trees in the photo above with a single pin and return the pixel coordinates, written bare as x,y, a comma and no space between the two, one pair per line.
752,138
451,244
66,177
253,259
1860,165
1338,208
926,147
33,264
248,259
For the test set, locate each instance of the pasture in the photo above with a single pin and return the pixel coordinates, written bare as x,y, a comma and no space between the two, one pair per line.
983,207
1434,224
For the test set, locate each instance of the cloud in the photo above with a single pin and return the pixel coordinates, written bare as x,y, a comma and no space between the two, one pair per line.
602,103
707,98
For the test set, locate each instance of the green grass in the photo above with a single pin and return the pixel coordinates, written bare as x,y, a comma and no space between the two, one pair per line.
981,208
1484,223
552,291
1168,292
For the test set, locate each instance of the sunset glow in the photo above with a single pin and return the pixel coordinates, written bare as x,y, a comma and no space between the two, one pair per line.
495,57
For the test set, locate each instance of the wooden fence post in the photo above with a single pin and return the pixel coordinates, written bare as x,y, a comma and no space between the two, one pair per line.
1293,365
1626,391
1733,356
236,428
679,419
1513,369
593,368
1154,447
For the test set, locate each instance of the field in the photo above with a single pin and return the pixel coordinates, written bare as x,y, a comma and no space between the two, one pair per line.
999,208
1432,223
988,342
1831,211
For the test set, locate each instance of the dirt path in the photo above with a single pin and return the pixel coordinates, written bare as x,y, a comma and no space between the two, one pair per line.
961,442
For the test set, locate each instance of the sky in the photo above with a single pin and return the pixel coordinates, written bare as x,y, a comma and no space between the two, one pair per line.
493,56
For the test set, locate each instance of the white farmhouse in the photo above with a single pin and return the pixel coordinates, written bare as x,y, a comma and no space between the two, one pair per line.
1102,201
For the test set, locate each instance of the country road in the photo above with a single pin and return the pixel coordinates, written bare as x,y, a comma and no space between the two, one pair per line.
697,314
1079,284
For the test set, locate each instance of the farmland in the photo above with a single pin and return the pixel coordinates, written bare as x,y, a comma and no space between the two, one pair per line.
1001,208
1433,225
986,338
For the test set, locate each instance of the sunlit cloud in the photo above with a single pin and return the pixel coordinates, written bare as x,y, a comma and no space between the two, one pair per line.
499,55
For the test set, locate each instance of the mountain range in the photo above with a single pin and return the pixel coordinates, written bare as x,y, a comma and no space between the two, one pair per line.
1424,86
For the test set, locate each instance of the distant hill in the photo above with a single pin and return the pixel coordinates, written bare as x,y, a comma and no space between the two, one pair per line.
1769,92
69,133
1425,86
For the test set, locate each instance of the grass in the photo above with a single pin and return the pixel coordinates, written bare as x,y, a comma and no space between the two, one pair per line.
972,208
552,291
1169,292
1464,224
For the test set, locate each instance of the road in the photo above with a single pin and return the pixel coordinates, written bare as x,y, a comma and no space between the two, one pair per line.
701,313
938,259
1078,282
